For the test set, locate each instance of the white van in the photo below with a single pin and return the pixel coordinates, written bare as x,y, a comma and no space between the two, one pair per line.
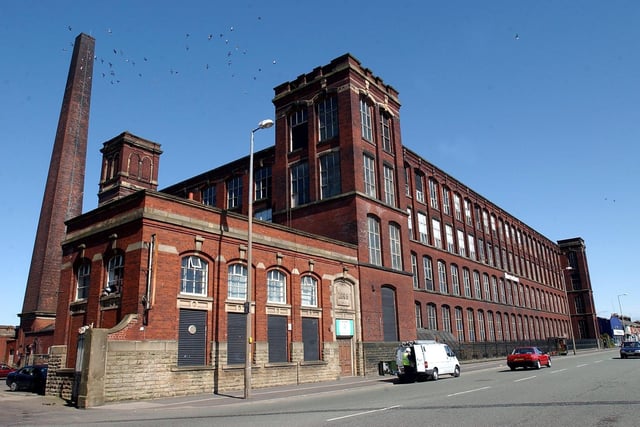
427,360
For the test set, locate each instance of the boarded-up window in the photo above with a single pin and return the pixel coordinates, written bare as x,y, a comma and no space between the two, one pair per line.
236,338
310,338
192,338
277,335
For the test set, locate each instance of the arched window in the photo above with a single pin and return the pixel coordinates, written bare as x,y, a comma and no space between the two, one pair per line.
194,276
115,272
309,291
82,280
375,253
237,282
276,287
389,314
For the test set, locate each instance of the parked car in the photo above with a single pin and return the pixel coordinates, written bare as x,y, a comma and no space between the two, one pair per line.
30,378
630,349
528,357
5,370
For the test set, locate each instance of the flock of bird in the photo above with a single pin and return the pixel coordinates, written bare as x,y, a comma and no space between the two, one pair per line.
117,65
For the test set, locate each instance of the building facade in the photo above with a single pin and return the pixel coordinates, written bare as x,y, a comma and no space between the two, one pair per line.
359,243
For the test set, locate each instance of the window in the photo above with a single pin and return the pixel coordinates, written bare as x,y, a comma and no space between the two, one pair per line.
395,247
194,276
410,222
414,270
476,285
437,234
262,179
83,280
446,318
459,324
481,328
472,246
330,184
449,235
427,267
442,278
264,215
115,274
209,195
423,232
462,251
455,279
485,285
419,188
494,288
507,335
407,186
369,176
433,193
466,282
299,128
502,292
299,184
467,212
365,120
418,315
385,132
328,118
446,201
309,289
457,207
276,287
375,254
234,192
389,186
389,314
237,282
432,317
471,323
498,326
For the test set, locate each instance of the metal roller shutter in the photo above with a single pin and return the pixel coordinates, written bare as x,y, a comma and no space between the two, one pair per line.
277,331
236,338
192,338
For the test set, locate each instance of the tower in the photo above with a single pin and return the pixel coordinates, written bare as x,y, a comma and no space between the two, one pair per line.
129,164
63,197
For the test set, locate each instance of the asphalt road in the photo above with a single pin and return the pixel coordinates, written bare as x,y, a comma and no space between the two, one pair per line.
588,389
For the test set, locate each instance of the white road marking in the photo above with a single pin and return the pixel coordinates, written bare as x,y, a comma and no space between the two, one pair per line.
559,370
363,413
468,391
525,379
580,366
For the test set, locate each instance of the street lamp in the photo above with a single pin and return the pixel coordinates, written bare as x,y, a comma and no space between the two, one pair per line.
264,124
624,330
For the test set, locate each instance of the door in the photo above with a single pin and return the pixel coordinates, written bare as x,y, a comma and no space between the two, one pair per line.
344,350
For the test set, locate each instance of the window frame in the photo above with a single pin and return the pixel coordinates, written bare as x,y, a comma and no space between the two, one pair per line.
200,275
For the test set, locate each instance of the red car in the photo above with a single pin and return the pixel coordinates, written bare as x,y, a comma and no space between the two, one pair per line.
528,357
5,370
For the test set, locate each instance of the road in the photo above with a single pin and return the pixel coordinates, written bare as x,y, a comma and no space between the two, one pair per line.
588,389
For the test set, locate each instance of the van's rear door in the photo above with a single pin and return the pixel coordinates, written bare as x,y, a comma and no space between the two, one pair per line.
419,352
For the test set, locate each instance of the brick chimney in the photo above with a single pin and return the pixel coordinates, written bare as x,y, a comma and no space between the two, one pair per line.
63,194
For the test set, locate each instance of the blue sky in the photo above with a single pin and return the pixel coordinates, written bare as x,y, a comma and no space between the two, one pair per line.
534,105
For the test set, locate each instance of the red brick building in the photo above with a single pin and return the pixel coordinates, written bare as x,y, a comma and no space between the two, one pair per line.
359,243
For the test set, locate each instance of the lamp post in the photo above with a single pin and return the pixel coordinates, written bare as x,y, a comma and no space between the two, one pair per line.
264,124
624,330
